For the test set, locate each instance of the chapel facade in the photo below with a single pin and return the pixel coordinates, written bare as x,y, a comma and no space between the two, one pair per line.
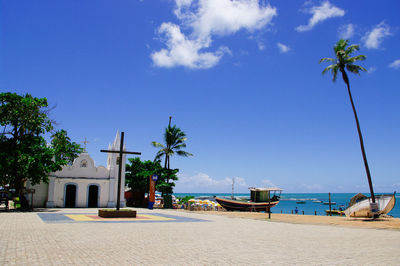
83,184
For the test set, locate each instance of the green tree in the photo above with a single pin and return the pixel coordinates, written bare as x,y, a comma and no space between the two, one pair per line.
24,153
174,139
137,178
165,183
166,186
65,151
342,62
175,142
138,173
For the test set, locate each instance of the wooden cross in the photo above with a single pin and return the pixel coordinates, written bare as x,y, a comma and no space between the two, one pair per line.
121,152
85,142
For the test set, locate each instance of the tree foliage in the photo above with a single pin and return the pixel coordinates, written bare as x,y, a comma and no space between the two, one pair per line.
137,176
65,151
24,153
137,173
164,184
344,60
174,139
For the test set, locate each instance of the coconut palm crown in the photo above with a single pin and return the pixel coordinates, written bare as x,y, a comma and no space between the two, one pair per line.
174,139
345,61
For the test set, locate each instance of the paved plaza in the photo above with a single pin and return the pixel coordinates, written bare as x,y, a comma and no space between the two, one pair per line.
170,237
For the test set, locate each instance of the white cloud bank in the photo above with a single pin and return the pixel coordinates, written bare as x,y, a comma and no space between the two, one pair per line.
346,31
283,48
319,14
202,182
374,38
395,64
205,19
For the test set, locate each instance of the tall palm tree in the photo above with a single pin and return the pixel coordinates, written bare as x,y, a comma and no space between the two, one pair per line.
344,60
174,139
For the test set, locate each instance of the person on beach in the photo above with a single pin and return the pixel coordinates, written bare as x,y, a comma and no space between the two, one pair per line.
296,210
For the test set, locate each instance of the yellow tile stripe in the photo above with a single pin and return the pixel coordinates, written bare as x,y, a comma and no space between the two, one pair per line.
141,217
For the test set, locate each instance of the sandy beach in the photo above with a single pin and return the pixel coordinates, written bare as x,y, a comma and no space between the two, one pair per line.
214,239
381,223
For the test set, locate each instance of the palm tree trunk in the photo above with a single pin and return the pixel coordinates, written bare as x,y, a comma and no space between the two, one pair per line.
371,189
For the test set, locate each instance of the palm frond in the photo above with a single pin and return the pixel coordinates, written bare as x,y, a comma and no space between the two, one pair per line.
327,59
159,154
184,153
355,69
180,146
330,67
157,145
356,58
352,48
334,74
340,45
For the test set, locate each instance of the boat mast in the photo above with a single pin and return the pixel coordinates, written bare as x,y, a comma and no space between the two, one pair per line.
233,184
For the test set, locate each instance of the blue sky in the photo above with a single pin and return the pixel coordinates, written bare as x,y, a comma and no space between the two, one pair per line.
241,78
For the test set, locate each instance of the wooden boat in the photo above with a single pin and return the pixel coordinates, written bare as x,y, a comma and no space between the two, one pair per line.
301,202
335,212
362,206
332,203
261,199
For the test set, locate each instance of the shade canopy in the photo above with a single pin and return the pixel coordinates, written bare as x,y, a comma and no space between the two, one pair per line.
265,189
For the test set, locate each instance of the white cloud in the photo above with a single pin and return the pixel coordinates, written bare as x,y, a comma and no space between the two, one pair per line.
283,48
374,38
223,17
202,182
261,46
267,183
346,31
319,14
371,69
395,64
183,51
204,19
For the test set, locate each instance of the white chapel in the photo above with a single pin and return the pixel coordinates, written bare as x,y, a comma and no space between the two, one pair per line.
83,184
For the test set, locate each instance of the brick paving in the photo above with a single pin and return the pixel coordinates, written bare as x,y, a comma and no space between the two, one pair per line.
25,239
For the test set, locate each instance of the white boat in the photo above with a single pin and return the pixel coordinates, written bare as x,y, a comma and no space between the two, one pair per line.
362,208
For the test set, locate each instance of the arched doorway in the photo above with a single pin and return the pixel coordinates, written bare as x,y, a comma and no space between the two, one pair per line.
93,196
70,196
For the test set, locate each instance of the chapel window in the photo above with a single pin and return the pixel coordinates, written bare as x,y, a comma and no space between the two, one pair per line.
83,163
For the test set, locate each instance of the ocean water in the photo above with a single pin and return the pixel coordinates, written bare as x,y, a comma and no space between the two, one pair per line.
288,203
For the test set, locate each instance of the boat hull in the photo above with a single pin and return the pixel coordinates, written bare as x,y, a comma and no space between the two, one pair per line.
335,212
362,208
235,205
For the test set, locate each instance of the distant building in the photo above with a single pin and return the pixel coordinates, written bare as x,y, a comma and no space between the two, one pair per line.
82,184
